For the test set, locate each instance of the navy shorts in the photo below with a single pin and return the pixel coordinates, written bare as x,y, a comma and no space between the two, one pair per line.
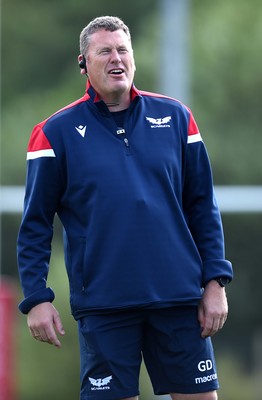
169,340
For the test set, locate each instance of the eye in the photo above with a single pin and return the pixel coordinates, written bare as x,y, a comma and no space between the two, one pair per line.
122,50
105,51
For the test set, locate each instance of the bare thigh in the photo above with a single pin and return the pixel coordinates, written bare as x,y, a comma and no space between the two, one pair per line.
197,396
179,396
131,398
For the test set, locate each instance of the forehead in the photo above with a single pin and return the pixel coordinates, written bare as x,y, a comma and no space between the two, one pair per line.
103,38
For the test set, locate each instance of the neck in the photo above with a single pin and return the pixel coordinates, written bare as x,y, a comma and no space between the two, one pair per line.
117,105
109,105
117,102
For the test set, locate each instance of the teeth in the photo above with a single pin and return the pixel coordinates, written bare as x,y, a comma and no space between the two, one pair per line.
116,71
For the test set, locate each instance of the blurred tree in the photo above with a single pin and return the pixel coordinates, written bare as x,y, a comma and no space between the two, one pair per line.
40,69
41,39
226,57
227,85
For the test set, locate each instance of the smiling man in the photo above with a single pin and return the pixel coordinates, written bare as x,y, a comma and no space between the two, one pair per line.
128,174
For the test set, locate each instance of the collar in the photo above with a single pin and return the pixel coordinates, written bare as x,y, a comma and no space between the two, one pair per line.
94,96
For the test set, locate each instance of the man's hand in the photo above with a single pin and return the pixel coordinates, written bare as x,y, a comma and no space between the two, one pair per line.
213,309
43,322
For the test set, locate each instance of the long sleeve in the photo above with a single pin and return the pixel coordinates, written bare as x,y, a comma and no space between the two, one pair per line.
43,187
201,211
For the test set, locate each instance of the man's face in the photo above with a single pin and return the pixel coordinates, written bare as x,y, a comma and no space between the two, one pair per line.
110,63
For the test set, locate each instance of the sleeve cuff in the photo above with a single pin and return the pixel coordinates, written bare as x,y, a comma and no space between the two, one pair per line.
36,298
215,269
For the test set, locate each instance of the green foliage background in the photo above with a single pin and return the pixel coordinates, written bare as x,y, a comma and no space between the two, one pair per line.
40,74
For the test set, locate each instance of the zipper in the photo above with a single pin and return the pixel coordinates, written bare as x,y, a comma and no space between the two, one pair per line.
121,133
126,142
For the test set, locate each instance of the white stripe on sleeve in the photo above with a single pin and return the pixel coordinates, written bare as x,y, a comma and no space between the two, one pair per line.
31,155
194,138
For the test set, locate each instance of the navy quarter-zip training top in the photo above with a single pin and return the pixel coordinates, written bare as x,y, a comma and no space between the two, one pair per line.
141,223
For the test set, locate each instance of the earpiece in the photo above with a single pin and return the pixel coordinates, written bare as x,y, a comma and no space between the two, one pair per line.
82,63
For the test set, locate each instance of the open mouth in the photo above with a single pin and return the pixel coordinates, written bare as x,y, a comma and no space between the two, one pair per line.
117,71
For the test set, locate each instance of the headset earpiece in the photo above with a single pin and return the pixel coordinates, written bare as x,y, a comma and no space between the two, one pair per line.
82,63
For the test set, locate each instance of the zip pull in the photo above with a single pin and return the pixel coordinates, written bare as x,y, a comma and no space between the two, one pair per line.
128,151
126,142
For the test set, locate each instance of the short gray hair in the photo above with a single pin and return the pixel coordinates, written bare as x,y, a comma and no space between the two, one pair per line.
107,23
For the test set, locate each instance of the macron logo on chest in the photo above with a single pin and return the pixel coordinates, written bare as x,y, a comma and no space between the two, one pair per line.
81,129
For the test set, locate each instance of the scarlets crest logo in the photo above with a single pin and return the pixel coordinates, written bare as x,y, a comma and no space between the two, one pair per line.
159,122
100,383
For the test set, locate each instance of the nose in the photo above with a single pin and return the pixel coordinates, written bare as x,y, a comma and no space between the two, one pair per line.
115,57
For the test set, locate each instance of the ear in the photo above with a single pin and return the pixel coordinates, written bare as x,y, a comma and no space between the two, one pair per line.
82,64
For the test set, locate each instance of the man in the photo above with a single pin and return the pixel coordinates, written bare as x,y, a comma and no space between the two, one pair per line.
128,175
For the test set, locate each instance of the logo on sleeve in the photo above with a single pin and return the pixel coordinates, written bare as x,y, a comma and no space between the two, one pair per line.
159,122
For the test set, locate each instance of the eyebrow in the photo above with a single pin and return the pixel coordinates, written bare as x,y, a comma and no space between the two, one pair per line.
104,48
108,47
